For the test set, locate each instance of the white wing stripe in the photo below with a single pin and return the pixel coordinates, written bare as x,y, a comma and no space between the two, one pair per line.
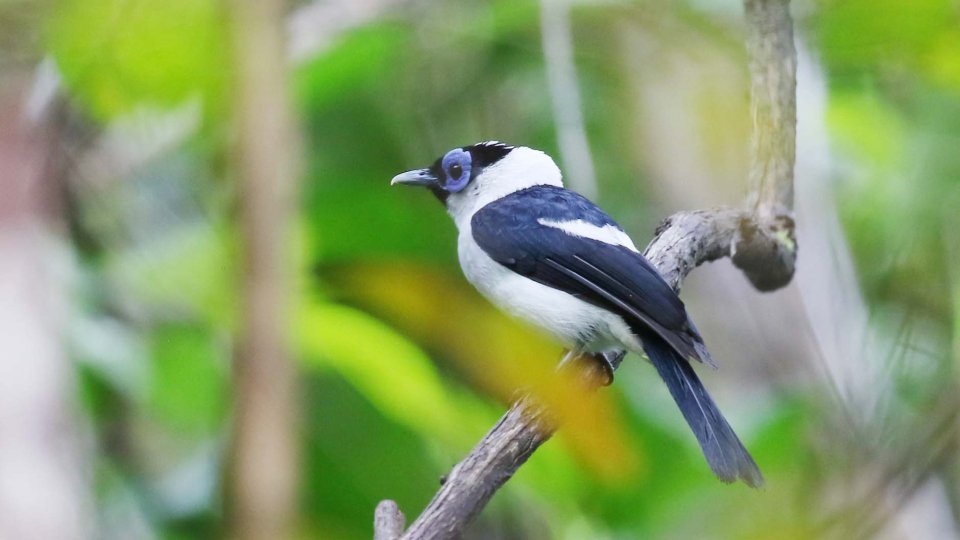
608,234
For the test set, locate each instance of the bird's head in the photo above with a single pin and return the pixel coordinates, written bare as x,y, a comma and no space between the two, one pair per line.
466,179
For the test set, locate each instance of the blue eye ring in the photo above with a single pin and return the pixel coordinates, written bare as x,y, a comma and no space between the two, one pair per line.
456,169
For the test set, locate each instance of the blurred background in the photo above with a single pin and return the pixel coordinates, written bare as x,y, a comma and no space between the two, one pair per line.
215,313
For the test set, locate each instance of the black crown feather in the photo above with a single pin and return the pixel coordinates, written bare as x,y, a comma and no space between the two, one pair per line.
488,152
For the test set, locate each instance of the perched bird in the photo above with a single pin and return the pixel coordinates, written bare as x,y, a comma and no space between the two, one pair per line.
550,256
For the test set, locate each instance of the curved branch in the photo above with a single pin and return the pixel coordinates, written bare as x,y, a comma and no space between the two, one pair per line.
773,107
759,240
489,465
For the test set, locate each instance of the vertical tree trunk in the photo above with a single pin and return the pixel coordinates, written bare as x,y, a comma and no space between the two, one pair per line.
263,461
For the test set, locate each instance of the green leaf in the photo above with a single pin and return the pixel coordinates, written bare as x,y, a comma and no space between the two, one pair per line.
392,372
363,58
116,54
859,34
358,456
186,270
188,387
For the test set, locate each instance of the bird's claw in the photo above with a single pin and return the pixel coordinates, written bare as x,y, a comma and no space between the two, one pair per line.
609,361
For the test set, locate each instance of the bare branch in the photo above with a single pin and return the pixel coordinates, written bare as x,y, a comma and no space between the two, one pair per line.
771,244
687,239
474,480
388,521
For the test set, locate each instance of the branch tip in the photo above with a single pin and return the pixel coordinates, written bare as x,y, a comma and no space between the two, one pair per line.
388,521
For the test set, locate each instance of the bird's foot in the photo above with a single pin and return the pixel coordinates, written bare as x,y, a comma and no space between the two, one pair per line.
609,361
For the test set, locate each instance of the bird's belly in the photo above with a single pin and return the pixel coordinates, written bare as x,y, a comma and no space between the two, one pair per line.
573,322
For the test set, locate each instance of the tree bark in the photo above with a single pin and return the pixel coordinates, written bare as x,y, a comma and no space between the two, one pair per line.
773,107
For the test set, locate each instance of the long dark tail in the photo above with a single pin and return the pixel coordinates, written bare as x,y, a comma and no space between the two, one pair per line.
723,450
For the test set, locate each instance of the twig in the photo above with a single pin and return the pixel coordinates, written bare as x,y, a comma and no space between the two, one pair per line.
388,521
760,241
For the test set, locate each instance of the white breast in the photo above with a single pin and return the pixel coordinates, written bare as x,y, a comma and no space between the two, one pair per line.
571,321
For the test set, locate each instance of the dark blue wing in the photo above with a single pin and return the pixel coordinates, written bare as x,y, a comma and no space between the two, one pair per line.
609,276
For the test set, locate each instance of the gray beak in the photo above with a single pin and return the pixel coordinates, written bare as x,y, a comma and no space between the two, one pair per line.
419,177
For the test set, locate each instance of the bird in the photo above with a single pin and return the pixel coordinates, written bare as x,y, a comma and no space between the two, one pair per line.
549,256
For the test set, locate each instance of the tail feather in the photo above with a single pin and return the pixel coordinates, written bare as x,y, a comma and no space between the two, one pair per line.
725,453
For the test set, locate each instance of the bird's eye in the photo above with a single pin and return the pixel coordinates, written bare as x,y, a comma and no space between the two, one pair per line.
457,166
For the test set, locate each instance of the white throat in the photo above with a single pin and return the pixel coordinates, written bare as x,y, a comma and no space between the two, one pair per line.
522,168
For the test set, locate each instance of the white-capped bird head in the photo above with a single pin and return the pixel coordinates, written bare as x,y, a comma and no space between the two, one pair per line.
466,179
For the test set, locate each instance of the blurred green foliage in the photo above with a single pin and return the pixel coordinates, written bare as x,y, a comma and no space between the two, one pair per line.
120,54
403,366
